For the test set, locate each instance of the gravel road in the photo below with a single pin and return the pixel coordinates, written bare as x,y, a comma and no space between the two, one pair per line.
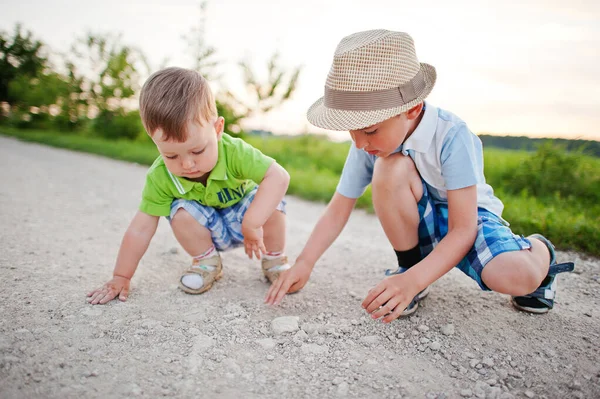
63,215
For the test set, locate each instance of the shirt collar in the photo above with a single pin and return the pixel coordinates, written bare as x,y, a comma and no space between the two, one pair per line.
219,172
421,138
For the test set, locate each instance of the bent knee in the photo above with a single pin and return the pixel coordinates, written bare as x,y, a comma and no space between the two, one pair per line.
181,215
397,169
511,276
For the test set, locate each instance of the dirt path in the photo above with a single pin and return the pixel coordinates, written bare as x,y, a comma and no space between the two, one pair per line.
63,215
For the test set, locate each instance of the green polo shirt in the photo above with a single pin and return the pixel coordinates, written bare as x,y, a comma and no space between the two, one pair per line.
238,170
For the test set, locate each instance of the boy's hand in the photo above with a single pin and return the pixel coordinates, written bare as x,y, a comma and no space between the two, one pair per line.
289,281
253,241
117,286
390,297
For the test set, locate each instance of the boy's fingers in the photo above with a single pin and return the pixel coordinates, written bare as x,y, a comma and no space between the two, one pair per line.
377,302
95,297
395,314
386,308
274,290
282,291
109,295
123,295
373,293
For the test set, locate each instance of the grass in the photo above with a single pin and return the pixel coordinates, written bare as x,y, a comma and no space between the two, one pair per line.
314,163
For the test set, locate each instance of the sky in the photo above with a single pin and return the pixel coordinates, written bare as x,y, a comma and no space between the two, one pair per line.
526,67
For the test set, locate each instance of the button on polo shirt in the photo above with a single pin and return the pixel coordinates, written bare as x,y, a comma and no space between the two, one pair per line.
238,170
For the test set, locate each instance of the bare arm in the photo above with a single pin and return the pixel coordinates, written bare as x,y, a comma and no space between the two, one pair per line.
327,229
462,230
133,246
135,243
270,192
397,291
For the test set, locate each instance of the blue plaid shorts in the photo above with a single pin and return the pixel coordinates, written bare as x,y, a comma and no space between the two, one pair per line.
493,236
225,224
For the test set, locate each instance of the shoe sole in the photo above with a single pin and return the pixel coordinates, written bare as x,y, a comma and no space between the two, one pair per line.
202,290
528,309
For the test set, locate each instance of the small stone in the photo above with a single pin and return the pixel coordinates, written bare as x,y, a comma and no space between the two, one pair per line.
435,346
266,343
342,389
529,394
488,361
174,250
448,329
285,324
423,328
466,393
270,357
311,328
502,374
473,363
337,380
301,335
193,331
370,339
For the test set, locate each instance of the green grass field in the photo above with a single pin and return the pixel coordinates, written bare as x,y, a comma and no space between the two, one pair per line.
554,193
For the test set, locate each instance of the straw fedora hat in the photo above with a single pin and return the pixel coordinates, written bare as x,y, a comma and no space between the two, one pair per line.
375,75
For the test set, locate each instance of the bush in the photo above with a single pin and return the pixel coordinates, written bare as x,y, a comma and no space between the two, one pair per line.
552,172
118,125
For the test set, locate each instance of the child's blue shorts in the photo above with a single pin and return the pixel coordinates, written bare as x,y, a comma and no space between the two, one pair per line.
493,236
225,224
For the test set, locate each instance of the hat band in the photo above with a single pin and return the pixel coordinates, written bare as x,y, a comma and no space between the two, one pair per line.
378,99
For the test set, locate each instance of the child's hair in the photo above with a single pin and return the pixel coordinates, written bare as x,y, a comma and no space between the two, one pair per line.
172,97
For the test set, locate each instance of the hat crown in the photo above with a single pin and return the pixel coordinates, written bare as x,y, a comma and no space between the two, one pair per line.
373,60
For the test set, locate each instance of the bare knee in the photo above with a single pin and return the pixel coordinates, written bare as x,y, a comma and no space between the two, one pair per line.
181,216
397,172
513,273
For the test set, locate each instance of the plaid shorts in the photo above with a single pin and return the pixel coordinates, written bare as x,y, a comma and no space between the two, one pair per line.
225,224
493,236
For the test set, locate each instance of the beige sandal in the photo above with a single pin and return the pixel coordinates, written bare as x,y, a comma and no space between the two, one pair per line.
272,268
210,269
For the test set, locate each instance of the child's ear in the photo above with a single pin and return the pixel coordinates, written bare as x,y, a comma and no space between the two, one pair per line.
414,112
219,126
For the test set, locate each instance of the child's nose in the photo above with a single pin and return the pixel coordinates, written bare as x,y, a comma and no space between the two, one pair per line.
360,140
188,163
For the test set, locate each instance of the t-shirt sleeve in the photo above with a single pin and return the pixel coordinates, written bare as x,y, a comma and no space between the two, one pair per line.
357,173
155,201
461,158
247,162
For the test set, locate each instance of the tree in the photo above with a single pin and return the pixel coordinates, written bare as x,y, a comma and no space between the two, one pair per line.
104,86
269,94
21,63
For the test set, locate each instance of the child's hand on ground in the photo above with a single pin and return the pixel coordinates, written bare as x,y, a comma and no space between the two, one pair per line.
117,286
253,241
289,281
389,298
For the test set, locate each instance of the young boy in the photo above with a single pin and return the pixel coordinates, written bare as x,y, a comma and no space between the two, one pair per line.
205,183
429,191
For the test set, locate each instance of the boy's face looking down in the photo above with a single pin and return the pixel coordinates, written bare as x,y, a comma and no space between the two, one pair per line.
383,138
195,157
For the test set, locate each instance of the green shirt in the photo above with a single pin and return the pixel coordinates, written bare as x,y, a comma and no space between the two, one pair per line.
238,170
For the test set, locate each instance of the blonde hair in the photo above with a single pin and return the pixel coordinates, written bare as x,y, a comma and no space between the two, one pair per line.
171,98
